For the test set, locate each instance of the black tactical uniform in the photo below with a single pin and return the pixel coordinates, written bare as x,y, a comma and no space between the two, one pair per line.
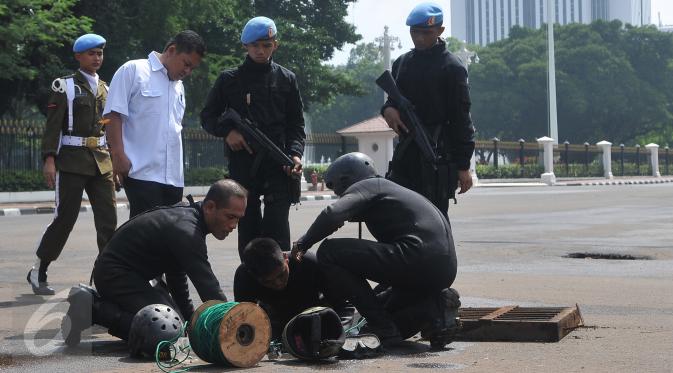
276,106
165,240
414,253
435,82
306,288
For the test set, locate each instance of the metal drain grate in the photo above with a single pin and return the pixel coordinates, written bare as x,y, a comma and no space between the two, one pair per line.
520,324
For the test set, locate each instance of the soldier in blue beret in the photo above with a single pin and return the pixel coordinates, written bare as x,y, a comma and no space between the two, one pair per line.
76,157
435,81
88,41
266,93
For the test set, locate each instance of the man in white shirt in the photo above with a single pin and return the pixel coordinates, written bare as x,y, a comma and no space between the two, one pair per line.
145,107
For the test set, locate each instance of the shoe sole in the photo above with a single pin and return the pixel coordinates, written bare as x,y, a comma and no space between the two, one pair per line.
36,290
78,317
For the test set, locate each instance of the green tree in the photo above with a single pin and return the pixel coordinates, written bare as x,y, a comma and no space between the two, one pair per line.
33,36
613,83
40,41
364,65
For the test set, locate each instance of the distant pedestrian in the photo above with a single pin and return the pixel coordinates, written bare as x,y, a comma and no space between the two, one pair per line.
76,158
145,109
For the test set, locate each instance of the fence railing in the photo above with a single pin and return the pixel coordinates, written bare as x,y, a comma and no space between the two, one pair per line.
570,160
21,142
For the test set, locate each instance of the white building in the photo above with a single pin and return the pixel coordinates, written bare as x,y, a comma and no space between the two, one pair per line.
485,21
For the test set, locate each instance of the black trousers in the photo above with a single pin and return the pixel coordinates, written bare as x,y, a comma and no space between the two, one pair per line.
412,276
405,171
130,293
144,195
271,183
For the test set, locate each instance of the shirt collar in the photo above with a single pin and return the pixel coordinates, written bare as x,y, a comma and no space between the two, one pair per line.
91,79
155,63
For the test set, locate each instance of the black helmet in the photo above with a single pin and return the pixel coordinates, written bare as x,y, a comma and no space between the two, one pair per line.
314,334
348,170
151,325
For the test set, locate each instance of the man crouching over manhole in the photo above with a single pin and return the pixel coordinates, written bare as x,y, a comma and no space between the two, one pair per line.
414,255
165,240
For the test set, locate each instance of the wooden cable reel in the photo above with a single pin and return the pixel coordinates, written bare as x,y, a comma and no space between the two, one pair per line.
244,334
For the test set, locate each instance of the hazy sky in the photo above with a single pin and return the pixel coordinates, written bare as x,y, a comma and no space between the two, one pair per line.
370,16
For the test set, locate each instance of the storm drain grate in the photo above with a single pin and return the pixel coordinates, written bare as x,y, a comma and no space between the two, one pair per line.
518,324
609,256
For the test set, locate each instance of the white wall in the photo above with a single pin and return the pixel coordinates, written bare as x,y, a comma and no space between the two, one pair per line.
384,148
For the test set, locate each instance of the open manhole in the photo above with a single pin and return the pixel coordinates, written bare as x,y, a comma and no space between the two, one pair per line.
608,256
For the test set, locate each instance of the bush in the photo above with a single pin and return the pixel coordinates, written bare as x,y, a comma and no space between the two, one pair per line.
204,176
22,181
509,171
595,169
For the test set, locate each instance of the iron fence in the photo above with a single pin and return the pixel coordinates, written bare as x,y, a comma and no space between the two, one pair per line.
21,142
20,152
524,159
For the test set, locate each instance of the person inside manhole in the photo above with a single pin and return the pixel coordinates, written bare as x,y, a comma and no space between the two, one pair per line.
284,287
413,256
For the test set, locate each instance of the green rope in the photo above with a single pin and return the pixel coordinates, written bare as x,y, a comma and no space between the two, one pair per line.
206,333
356,328
173,350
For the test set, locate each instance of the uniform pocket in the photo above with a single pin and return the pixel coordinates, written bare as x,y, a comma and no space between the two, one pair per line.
150,92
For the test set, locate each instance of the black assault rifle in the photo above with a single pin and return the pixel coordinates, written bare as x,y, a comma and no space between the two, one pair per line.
263,146
387,83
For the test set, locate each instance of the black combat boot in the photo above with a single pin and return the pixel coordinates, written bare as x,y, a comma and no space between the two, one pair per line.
79,315
444,324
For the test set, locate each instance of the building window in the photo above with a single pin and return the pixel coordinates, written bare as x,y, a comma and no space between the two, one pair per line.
488,22
572,10
375,147
509,15
579,10
502,19
481,38
469,5
600,9
529,13
516,12
556,11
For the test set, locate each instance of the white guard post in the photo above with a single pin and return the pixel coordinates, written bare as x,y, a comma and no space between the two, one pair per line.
548,176
473,169
607,158
654,156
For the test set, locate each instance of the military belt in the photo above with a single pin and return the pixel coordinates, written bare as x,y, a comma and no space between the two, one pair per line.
88,142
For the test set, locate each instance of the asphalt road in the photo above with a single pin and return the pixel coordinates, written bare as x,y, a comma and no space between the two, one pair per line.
511,244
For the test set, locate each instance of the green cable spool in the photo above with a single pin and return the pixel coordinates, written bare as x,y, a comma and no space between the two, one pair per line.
231,333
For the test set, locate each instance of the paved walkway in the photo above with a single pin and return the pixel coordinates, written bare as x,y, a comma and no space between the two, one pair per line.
41,202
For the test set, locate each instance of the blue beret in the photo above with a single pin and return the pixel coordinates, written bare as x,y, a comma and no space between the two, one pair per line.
258,28
425,15
88,41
